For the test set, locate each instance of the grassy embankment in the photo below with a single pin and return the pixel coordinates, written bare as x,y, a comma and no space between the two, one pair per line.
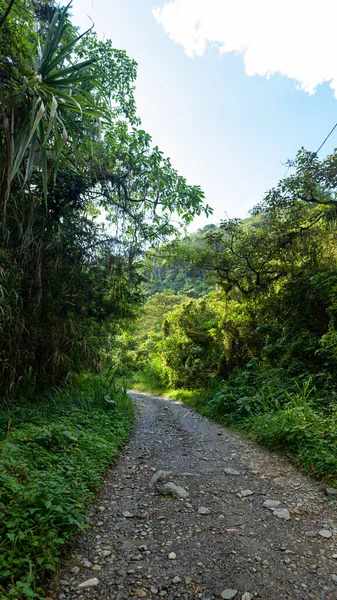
53,453
288,415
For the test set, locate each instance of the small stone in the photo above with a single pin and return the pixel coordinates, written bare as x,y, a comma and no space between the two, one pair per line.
325,533
245,494
127,514
89,583
140,593
331,491
75,570
247,596
176,579
203,510
63,582
154,590
334,556
282,513
228,594
271,504
334,578
175,490
100,523
105,553
136,557
311,533
172,556
229,471
96,568
158,475
87,564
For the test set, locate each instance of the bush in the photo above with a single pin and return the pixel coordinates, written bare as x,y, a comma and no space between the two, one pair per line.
309,437
287,414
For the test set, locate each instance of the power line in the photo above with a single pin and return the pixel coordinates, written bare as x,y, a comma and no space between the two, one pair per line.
317,151
327,137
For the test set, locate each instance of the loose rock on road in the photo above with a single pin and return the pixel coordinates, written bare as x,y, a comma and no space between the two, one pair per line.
191,510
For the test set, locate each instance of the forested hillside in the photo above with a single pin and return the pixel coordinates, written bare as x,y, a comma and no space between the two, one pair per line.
259,349
174,273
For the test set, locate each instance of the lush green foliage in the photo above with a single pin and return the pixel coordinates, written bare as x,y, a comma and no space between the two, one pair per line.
53,452
72,154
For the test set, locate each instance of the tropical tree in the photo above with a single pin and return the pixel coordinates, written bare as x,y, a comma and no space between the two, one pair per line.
83,192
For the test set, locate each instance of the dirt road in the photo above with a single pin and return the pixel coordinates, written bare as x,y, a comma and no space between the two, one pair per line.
249,525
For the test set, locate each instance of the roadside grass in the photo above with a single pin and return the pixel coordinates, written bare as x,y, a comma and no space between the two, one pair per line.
54,450
289,415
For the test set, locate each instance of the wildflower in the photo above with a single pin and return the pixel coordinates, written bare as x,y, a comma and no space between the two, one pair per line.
67,492
25,439
329,475
312,468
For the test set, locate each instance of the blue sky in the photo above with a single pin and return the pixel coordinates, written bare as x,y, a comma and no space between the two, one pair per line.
223,129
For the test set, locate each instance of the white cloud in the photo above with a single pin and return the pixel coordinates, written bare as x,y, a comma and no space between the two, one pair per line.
296,38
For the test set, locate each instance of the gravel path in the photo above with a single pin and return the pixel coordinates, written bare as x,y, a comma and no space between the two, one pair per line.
218,541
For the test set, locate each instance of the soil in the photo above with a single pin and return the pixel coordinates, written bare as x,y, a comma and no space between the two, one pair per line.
144,542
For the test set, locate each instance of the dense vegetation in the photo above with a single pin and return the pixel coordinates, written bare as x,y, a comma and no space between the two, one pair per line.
261,345
72,155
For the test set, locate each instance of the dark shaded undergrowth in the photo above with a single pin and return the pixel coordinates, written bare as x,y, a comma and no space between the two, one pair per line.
53,453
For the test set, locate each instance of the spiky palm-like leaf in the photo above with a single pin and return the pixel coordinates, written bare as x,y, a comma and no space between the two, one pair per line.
57,92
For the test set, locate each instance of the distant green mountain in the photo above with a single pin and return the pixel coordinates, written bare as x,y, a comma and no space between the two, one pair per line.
175,274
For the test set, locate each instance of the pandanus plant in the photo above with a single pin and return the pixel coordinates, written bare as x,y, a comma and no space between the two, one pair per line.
45,110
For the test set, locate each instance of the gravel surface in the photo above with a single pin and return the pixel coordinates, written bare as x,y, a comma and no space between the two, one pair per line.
238,522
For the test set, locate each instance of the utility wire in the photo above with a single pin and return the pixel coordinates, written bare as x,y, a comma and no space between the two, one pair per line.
317,151
327,137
